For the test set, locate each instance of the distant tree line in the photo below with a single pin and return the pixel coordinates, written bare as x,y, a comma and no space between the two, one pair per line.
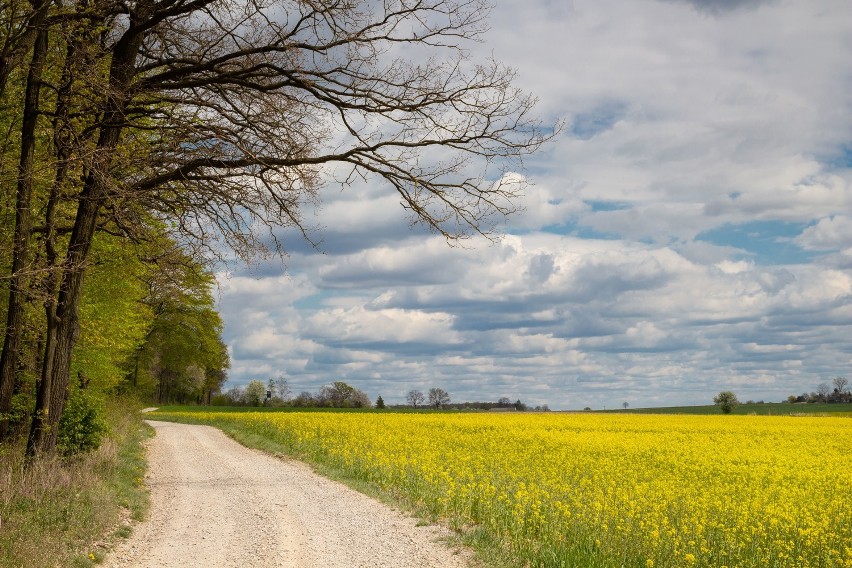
276,392
837,392
439,399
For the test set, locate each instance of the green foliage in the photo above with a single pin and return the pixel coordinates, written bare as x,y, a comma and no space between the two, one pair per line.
380,403
726,401
113,318
255,393
341,395
82,426
221,400
183,358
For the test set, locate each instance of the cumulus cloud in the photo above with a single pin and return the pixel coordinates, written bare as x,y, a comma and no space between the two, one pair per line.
685,233
830,233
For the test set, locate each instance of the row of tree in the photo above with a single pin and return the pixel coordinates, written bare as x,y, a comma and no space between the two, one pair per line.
276,392
436,398
145,138
838,391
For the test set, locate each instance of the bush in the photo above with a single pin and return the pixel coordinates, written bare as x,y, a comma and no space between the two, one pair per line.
82,426
221,400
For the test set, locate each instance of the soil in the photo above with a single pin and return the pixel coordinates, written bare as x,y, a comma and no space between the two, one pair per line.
215,503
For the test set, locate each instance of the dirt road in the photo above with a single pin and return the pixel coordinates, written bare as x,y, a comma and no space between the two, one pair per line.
215,503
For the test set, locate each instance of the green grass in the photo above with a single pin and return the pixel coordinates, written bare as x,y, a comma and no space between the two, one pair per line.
64,512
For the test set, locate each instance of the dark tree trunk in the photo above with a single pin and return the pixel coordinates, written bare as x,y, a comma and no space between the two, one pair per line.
23,229
50,283
55,382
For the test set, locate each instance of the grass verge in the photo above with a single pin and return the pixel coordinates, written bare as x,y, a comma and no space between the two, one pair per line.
65,512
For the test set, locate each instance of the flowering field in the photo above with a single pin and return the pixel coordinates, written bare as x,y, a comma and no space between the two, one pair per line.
596,489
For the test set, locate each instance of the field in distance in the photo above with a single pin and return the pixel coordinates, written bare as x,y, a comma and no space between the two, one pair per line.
762,409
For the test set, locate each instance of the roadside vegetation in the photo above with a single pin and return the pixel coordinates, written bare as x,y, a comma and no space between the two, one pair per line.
589,489
64,511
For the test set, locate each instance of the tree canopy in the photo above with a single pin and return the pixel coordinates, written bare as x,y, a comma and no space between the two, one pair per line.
209,125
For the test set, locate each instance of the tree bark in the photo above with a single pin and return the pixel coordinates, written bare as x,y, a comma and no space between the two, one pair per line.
23,229
59,348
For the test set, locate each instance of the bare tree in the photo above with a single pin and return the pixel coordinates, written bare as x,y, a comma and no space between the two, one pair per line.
415,398
823,391
223,119
281,387
359,399
841,390
438,397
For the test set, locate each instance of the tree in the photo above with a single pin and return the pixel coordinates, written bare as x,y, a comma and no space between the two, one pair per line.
281,387
185,334
304,399
415,398
625,404
219,121
380,403
359,399
726,401
438,397
342,395
823,392
337,394
254,393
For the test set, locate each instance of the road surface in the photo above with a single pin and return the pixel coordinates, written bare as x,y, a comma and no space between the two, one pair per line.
215,503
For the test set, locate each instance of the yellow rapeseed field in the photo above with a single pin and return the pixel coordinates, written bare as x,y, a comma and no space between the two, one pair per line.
603,489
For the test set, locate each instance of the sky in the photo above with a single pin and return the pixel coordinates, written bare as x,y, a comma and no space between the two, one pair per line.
688,231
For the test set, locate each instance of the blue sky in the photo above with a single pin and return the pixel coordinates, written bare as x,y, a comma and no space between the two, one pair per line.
689,231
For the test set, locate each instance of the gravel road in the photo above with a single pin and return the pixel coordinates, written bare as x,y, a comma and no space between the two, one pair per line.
215,503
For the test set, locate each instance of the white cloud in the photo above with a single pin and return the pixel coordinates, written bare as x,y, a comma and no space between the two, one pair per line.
678,122
395,326
829,233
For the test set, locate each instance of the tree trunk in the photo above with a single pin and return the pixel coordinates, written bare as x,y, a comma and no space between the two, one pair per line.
23,225
50,283
54,388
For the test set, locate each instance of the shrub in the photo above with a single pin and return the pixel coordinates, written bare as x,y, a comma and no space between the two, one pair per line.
221,400
82,425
